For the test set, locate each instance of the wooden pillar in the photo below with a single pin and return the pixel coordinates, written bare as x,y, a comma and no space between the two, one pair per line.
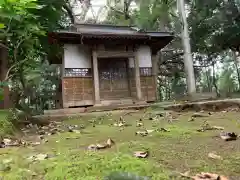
155,73
137,78
59,93
64,102
95,78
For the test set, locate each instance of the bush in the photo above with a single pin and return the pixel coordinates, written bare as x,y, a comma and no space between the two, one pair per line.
6,125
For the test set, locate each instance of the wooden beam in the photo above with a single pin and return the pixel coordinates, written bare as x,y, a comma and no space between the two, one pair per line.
96,77
137,78
155,72
114,54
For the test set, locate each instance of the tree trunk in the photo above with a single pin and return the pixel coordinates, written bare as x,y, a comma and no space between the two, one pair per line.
237,69
188,61
6,103
214,80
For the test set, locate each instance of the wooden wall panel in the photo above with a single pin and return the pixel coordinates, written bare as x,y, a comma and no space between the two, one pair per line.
77,90
148,88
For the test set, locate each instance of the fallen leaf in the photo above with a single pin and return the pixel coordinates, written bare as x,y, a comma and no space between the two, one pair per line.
191,119
41,157
44,127
228,136
110,142
76,131
162,130
209,176
141,154
142,133
207,127
41,137
119,124
217,128
38,157
214,156
139,124
9,142
101,146
41,132
149,131
92,147
196,115
35,143
186,174
45,140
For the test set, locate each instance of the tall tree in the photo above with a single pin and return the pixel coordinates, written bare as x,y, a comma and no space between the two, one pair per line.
188,61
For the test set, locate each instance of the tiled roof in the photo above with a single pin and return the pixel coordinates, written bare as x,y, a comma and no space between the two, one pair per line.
99,30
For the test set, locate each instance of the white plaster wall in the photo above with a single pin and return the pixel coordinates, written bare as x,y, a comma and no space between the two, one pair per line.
76,56
144,56
131,62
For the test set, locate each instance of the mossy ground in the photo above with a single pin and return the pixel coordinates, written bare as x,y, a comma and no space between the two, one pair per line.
180,150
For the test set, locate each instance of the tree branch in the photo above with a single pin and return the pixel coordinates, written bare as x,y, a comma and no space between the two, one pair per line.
15,58
69,12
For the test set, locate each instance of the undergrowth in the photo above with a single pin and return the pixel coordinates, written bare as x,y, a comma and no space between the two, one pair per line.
6,125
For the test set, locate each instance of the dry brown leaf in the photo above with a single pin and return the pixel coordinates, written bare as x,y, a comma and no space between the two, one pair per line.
101,146
209,176
191,119
35,143
218,128
141,154
207,127
214,156
196,115
119,124
92,147
163,130
186,174
150,131
10,142
110,142
228,136
142,133
139,124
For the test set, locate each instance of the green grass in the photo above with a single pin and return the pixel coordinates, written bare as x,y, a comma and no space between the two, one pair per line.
181,149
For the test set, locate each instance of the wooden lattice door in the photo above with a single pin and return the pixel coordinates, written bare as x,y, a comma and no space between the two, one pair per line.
113,79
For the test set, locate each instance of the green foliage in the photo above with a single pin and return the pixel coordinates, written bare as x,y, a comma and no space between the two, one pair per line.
226,82
6,125
26,24
214,25
1,94
2,84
